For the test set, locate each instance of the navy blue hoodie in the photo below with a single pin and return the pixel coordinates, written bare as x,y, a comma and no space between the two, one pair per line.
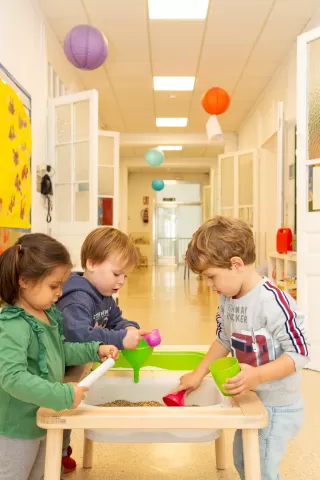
88,316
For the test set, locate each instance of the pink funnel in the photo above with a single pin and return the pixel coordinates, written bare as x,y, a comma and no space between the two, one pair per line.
175,399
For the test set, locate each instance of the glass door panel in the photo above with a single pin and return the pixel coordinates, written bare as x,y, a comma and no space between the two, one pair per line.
166,228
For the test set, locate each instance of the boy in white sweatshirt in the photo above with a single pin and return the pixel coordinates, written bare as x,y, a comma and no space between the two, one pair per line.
259,325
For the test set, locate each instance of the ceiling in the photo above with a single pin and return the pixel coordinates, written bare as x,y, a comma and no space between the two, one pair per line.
238,47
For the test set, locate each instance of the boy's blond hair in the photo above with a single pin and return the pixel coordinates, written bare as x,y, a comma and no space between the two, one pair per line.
217,241
105,242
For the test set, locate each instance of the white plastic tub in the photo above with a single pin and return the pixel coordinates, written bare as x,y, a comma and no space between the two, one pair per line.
152,386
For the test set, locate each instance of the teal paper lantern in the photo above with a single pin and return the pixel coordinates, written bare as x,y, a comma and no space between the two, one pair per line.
158,184
154,157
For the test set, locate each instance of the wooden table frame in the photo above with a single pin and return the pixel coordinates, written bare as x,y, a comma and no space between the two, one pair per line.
246,413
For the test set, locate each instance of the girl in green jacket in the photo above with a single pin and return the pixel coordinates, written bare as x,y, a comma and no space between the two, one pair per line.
33,353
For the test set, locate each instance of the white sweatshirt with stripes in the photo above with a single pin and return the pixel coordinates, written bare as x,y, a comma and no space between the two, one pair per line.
259,327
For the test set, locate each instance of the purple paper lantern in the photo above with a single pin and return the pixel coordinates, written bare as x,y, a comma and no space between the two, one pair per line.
86,47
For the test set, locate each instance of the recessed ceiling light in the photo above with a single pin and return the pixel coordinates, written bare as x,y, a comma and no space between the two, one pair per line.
182,84
178,9
175,148
171,122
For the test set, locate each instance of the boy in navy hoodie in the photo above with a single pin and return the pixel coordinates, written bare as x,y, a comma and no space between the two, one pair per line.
89,310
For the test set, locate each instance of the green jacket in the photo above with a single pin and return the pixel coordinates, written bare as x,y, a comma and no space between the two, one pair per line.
33,356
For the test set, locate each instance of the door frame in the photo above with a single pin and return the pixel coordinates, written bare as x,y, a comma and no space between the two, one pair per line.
305,229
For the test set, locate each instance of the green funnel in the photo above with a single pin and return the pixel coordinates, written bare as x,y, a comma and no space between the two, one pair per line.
138,357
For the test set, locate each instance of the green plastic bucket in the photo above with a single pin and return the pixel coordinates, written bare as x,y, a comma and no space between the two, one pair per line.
166,360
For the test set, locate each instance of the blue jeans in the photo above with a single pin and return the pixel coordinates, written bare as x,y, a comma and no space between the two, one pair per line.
284,423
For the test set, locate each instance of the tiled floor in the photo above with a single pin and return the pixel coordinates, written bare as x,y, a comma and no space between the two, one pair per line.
185,314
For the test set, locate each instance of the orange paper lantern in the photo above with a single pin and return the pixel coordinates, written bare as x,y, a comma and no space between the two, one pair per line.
215,101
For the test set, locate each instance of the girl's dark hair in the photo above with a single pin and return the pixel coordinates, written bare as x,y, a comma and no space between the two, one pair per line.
33,257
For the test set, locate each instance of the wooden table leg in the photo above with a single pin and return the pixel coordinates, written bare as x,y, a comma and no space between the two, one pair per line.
251,454
220,446
87,453
52,469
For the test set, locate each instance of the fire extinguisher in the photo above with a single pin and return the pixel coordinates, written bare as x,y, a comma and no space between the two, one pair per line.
145,215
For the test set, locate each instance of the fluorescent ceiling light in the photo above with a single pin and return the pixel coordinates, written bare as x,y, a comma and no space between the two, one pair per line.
171,122
171,84
170,182
178,9
170,148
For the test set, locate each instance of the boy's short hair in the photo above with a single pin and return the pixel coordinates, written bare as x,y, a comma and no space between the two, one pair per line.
217,241
104,242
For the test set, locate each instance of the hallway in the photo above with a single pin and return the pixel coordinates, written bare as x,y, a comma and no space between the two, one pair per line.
159,298
185,314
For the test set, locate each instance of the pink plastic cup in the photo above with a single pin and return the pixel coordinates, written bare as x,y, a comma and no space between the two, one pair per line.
153,338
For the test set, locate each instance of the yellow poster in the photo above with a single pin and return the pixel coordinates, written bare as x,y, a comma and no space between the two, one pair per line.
15,155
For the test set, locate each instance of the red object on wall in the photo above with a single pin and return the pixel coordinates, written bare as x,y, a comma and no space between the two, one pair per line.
145,215
284,240
107,209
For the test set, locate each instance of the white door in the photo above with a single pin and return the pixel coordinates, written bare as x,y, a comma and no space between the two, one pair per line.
73,150
308,187
238,187
108,178
166,235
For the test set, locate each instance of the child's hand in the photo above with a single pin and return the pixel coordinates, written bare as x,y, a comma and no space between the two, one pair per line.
132,338
78,395
141,332
245,381
108,351
189,382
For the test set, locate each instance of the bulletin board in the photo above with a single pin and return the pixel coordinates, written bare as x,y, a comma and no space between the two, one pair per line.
15,160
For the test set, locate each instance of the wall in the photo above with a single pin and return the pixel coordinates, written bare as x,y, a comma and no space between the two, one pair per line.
182,192
23,53
260,126
260,131
210,164
139,185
